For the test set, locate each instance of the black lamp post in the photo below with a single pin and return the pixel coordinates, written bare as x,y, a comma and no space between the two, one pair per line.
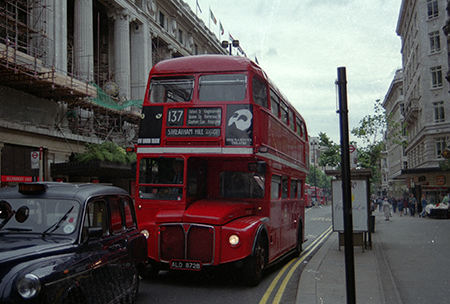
226,44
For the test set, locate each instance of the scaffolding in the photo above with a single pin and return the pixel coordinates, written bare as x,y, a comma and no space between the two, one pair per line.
25,66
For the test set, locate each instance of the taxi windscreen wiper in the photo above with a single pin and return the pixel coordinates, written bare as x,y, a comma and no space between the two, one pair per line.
57,224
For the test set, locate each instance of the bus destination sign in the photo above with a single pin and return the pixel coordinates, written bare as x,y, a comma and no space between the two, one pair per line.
204,117
193,132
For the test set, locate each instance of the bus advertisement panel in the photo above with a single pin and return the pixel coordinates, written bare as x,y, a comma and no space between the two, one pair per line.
222,162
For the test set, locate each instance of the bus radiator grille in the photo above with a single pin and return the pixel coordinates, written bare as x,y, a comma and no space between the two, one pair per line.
187,242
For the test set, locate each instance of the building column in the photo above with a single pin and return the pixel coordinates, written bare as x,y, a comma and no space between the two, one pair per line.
141,59
60,35
84,40
122,59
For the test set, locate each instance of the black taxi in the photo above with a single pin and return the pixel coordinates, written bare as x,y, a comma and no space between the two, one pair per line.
69,243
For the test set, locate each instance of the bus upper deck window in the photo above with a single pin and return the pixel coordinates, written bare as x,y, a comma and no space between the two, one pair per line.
259,92
171,89
222,87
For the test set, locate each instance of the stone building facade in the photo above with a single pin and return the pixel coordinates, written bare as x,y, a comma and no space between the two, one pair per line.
426,102
75,72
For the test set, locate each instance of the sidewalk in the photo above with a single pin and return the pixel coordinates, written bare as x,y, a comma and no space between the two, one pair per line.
323,279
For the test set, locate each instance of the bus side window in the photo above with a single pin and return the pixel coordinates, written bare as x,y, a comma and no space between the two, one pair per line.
299,127
284,189
259,92
291,120
301,189
284,112
294,188
274,104
275,187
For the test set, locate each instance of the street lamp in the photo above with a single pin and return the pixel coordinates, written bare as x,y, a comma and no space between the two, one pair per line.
226,44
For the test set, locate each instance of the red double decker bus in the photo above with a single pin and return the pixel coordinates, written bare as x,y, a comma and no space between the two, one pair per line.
222,161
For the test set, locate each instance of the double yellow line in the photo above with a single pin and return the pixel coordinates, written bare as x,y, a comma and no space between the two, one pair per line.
299,260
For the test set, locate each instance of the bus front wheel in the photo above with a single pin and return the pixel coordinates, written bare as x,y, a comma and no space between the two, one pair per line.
255,264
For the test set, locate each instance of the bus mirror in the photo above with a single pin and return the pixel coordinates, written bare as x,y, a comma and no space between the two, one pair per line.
262,167
259,167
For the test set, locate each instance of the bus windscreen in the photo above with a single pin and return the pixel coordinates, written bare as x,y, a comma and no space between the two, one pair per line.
174,89
222,87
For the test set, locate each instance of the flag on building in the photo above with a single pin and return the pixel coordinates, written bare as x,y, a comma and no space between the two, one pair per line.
221,28
199,8
213,18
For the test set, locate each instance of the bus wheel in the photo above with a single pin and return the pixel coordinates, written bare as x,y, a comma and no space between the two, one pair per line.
255,264
299,249
151,272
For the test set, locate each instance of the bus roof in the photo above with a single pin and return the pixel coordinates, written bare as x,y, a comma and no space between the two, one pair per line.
205,64
212,63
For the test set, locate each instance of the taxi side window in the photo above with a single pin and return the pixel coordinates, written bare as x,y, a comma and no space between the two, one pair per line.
95,217
129,221
116,217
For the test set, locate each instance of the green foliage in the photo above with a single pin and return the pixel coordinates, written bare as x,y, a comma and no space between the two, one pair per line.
330,153
371,127
445,165
107,151
318,178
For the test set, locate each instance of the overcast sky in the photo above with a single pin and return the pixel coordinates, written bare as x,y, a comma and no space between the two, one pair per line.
301,43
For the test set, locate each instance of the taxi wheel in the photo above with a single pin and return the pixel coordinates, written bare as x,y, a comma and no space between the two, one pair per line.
255,264
134,291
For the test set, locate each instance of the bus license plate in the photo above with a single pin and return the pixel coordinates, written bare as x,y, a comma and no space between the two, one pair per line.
185,265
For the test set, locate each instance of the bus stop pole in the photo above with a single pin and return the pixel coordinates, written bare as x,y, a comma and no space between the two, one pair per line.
346,187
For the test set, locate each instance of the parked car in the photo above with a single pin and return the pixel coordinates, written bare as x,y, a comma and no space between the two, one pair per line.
67,243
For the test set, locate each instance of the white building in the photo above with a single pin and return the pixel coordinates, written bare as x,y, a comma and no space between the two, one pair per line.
54,57
426,95
395,159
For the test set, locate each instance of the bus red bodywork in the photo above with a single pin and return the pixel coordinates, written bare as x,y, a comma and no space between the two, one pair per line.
242,150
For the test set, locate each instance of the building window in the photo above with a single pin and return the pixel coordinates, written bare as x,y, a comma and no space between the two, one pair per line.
436,77
433,11
180,36
435,42
439,115
161,19
440,146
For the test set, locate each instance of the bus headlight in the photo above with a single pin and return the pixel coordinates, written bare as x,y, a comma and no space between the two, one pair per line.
145,233
233,240
29,286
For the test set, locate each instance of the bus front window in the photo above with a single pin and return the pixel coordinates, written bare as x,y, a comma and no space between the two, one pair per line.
222,87
173,89
161,178
241,184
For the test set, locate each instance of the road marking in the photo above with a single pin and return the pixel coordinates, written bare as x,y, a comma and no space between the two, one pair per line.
299,260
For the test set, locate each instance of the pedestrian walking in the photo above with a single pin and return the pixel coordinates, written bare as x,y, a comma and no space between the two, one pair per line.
444,199
386,209
424,203
380,204
405,205
394,204
400,206
412,205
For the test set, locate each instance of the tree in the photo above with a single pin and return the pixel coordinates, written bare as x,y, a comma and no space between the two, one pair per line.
107,151
330,153
370,130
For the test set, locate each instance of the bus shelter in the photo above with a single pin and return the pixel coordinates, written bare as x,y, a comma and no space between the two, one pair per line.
361,211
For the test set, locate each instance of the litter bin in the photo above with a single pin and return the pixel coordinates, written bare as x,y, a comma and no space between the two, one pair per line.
372,223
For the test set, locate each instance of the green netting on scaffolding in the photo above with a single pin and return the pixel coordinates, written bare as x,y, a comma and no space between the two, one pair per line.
104,98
